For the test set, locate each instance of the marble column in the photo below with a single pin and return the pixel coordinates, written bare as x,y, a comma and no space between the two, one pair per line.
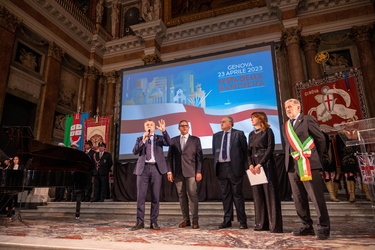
291,38
50,93
112,78
310,45
362,37
90,90
100,106
285,87
8,26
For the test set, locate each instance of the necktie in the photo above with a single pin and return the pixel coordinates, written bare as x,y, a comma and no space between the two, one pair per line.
292,121
224,148
148,149
183,142
100,155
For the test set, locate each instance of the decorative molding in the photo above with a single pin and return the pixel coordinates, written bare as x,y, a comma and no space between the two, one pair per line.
55,51
309,7
8,20
241,20
112,77
151,59
91,73
123,65
24,82
57,12
74,65
339,25
310,42
236,44
30,39
229,23
291,35
362,33
150,30
128,44
172,21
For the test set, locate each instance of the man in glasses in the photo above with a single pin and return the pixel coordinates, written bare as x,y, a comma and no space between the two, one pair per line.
184,169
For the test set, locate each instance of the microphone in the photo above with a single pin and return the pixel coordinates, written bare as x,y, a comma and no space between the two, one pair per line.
148,136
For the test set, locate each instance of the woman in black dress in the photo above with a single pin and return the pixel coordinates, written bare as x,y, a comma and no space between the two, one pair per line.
267,203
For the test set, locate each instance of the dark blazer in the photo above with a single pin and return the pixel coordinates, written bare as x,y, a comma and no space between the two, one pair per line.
305,126
261,147
105,163
140,149
238,151
90,153
189,160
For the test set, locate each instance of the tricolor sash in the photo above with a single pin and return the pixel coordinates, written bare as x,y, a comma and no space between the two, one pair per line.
301,151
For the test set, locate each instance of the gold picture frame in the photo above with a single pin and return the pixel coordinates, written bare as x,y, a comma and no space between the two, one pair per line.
171,20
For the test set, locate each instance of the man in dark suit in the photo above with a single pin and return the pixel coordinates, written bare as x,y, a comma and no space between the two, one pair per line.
184,168
150,167
103,164
230,161
90,152
303,168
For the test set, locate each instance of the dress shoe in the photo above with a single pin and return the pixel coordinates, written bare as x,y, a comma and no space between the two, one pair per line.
138,226
279,231
225,225
243,226
322,234
185,223
304,231
195,225
260,229
154,226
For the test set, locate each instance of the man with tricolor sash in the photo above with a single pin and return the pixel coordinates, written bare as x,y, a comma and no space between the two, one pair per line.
304,147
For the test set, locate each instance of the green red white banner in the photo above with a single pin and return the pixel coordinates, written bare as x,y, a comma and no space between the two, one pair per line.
74,129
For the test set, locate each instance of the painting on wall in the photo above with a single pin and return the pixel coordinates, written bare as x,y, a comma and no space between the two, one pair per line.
28,57
69,90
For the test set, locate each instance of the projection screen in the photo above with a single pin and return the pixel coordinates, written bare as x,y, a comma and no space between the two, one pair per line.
200,90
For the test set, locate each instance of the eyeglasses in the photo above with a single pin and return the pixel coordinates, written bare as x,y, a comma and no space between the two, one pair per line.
183,126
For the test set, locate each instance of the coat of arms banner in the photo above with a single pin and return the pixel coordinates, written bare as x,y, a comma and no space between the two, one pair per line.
335,99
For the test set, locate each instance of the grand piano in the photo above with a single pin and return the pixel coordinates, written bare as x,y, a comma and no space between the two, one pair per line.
45,165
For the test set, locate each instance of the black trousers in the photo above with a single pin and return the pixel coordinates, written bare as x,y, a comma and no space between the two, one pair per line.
101,184
231,190
302,190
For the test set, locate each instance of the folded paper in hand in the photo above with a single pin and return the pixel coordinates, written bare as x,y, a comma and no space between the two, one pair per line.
256,179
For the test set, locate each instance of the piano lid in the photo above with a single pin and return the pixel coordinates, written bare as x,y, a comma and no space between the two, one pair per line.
37,155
